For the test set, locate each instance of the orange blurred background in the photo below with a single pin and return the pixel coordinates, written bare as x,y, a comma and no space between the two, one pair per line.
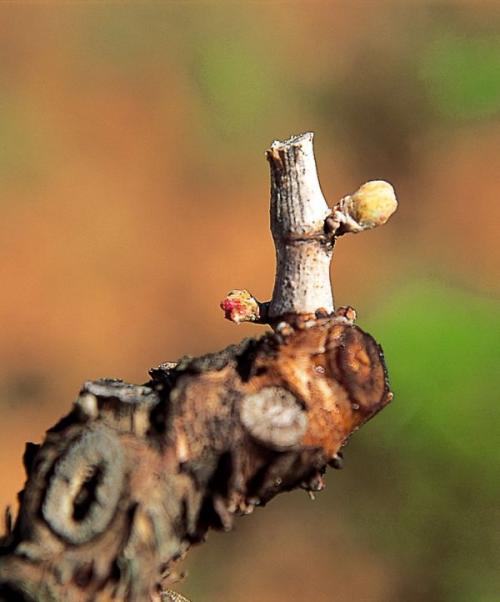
135,195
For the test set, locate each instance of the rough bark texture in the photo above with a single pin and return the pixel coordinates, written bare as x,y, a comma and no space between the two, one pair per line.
134,475
298,214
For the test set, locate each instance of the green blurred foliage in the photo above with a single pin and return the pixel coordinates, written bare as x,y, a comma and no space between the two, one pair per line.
440,438
462,74
237,83
442,346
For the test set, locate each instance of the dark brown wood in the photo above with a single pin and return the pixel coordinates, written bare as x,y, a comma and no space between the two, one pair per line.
134,475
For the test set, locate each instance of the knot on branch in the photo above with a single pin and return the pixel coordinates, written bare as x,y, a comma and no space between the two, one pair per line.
274,417
85,487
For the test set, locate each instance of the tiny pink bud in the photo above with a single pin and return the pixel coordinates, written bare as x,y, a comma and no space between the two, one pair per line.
240,306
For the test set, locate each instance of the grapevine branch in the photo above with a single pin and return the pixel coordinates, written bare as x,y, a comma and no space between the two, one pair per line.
134,475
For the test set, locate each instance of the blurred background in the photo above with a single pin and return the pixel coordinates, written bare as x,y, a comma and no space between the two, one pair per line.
134,195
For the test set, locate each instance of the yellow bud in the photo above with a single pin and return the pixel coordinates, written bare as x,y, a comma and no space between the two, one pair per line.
373,204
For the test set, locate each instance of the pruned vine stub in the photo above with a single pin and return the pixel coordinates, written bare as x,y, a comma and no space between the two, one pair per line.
133,475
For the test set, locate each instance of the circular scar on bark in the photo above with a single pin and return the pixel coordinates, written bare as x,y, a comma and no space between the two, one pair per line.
274,417
357,362
85,487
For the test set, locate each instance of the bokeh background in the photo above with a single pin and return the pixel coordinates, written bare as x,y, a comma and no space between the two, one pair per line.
134,194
